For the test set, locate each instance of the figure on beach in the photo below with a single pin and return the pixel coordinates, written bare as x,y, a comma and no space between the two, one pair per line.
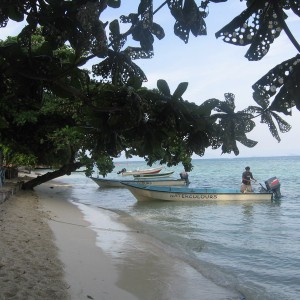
2,176
247,177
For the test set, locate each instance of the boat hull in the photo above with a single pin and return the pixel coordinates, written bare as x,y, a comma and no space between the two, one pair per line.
115,183
144,193
153,176
140,172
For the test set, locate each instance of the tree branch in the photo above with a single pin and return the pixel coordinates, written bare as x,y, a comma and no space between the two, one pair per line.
285,27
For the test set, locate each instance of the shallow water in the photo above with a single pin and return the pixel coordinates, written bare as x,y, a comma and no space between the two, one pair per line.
253,248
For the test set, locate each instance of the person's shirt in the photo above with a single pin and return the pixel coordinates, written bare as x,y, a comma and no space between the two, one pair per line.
246,177
184,175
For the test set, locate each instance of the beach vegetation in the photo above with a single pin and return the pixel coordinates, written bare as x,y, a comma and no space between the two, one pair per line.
72,95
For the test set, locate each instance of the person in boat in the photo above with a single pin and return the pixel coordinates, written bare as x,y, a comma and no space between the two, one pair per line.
185,175
247,177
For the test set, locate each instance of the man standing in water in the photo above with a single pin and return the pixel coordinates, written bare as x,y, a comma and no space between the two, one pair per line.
246,181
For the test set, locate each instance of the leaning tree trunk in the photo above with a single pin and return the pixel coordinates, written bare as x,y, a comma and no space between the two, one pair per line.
64,170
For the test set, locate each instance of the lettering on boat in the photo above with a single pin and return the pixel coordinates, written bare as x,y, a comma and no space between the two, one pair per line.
145,182
194,196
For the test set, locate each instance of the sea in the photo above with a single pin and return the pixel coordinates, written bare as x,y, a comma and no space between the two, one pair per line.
253,248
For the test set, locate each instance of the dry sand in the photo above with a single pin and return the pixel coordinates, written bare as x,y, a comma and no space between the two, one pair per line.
48,251
29,265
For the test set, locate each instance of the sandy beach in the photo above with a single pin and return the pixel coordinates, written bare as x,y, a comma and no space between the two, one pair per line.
49,250
29,264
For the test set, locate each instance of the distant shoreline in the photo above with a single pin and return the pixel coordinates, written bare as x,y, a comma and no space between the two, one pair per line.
213,158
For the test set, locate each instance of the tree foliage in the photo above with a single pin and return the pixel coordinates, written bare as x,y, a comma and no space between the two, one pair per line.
58,113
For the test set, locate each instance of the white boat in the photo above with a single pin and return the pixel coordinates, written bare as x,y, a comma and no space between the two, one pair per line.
155,175
116,183
124,172
163,193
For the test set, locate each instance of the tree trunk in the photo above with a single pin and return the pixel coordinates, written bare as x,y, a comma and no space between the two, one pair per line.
64,170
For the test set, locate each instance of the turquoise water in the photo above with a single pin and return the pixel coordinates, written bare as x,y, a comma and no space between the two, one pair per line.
253,248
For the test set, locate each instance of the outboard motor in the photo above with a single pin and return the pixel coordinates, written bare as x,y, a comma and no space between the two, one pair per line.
273,185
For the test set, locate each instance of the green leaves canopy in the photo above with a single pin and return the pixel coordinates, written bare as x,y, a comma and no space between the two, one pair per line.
58,112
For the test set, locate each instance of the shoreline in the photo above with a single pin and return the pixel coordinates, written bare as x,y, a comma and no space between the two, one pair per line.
89,272
108,262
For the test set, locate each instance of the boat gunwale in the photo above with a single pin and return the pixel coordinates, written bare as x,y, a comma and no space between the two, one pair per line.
117,183
193,192
134,181
153,175
144,171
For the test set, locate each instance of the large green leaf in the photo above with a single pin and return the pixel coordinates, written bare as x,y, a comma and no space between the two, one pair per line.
163,87
15,14
180,90
114,27
114,3
259,25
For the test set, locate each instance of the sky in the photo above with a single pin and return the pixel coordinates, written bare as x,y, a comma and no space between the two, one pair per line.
213,68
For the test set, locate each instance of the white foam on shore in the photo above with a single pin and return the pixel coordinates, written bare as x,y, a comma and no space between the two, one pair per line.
111,235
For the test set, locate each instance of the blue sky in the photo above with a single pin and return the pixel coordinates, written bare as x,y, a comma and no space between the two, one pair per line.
212,68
